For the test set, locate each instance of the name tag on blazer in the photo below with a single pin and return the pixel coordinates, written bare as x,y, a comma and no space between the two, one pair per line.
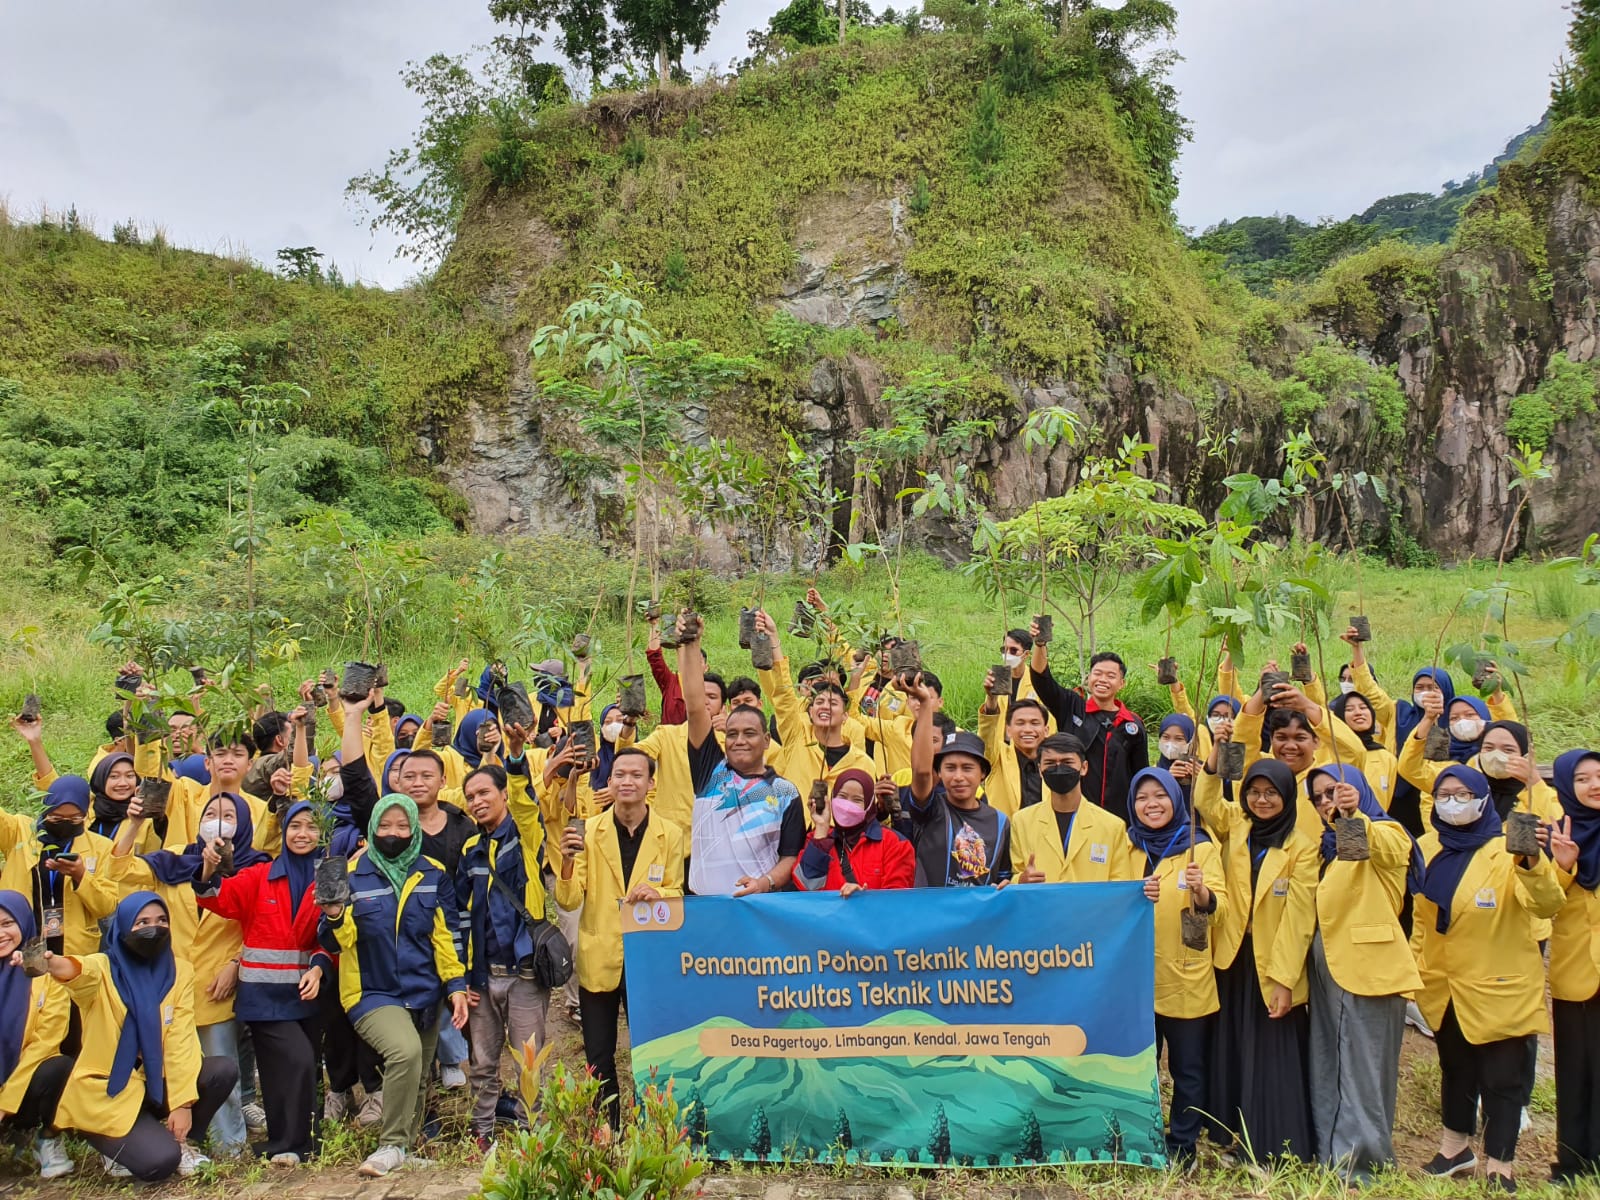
657,872
1183,883
1485,898
1280,888
1099,852
166,1014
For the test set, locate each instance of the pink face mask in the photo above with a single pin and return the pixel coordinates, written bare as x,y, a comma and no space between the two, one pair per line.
847,813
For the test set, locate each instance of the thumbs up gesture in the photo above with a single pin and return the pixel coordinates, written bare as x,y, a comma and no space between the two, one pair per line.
1031,873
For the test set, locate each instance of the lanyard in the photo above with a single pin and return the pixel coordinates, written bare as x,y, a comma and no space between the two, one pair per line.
1072,819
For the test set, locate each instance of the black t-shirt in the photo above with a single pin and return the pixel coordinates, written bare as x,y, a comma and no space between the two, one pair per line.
1028,776
445,846
833,754
1064,825
957,847
628,843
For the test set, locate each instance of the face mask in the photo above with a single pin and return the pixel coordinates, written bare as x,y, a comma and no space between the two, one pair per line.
64,831
1462,810
1061,780
1215,724
1347,686
1468,729
390,845
611,730
216,829
1496,764
147,943
1011,660
1418,698
847,813
336,789
1172,751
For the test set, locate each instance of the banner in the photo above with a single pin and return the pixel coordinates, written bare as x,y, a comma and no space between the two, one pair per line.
945,1027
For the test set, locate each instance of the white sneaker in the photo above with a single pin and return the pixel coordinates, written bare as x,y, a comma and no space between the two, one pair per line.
451,1078
115,1169
1526,1123
255,1118
336,1106
381,1161
190,1160
286,1159
54,1161
371,1109
1416,1020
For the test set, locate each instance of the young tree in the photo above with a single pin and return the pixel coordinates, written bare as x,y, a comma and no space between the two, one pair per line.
939,1135
1030,1148
842,1136
1576,92
760,1133
584,33
663,29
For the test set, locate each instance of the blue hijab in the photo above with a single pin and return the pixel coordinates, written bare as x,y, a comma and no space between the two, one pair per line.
67,789
1172,721
1461,751
1458,843
485,689
176,868
1231,701
193,767
1585,821
1370,808
465,741
1407,716
404,717
16,989
388,763
1173,837
143,985
299,869
607,754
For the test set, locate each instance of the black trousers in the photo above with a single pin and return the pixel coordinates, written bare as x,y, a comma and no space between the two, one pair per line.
148,1150
1188,1042
286,1060
598,1013
349,1060
1498,1073
39,1100
1577,1035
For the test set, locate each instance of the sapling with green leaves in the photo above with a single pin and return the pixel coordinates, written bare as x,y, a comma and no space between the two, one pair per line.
1045,430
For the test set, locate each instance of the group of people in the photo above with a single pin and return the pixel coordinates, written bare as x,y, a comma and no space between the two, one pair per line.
172,958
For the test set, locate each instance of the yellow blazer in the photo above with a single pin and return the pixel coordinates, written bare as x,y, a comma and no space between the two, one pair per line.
1358,905
1003,788
1098,850
49,1014
83,906
188,802
85,1105
800,760
1575,943
1488,963
598,886
1247,729
674,786
1186,983
206,941
1281,910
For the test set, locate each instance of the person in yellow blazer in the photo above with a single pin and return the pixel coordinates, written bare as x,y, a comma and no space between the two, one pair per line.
668,745
1011,736
72,894
1260,1057
112,780
140,1090
1182,868
1482,973
1574,845
34,1018
623,857
1301,733
815,746
209,943
1362,972
1066,839
1381,767
227,760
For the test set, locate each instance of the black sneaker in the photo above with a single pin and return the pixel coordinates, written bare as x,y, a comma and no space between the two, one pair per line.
1442,1168
1502,1183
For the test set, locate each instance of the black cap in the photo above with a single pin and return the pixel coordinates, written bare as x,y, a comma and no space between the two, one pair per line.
962,742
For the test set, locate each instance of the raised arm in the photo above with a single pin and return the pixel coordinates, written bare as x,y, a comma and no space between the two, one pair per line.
924,743
692,674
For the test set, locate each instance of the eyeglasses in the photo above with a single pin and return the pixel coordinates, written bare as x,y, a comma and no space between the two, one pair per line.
1269,794
1452,795
1322,794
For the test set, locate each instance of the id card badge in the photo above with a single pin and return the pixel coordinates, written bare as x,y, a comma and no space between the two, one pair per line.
657,872
53,923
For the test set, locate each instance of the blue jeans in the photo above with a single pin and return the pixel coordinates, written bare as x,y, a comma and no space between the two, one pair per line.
452,1050
229,1137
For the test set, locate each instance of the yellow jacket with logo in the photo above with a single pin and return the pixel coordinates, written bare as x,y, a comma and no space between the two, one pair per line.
187,804
1280,912
1575,943
1186,981
674,787
49,1015
83,906
800,759
598,886
1098,850
1247,729
1488,962
1004,785
85,1105
1358,906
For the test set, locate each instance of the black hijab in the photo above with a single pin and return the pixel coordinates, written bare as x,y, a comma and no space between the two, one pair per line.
1506,792
1272,832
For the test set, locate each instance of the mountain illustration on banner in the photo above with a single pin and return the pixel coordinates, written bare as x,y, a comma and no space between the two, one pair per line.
980,1110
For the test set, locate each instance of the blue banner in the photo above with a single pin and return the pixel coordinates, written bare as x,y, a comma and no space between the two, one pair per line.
944,1027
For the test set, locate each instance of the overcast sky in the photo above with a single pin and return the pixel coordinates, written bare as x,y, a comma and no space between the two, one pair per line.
236,126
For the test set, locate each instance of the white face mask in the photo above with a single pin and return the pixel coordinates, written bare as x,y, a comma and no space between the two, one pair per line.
611,730
1463,810
1215,724
1173,750
1347,686
336,789
1467,729
1420,698
214,829
1496,764
1011,660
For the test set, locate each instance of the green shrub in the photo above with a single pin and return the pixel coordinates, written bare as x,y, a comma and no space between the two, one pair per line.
984,139
1299,402
1567,390
921,198
675,271
634,150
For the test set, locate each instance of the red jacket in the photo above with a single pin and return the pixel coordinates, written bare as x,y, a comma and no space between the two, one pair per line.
279,943
880,858
673,711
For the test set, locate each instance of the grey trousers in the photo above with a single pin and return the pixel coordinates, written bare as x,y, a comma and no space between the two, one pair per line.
511,1011
1355,1071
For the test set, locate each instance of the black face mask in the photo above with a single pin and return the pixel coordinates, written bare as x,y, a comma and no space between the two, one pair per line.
147,943
1061,780
391,846
63,831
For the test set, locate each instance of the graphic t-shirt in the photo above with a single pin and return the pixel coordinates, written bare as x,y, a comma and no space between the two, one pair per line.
957,847
742,824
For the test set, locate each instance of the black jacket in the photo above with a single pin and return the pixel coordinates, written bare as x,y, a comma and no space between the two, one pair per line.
1115,741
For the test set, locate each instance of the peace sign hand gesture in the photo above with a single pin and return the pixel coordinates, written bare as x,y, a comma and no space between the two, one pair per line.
1557,838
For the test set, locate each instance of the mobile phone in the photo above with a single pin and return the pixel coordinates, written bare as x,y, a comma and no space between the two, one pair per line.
64,856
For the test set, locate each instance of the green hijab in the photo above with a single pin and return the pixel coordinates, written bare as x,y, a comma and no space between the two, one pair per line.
395,870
